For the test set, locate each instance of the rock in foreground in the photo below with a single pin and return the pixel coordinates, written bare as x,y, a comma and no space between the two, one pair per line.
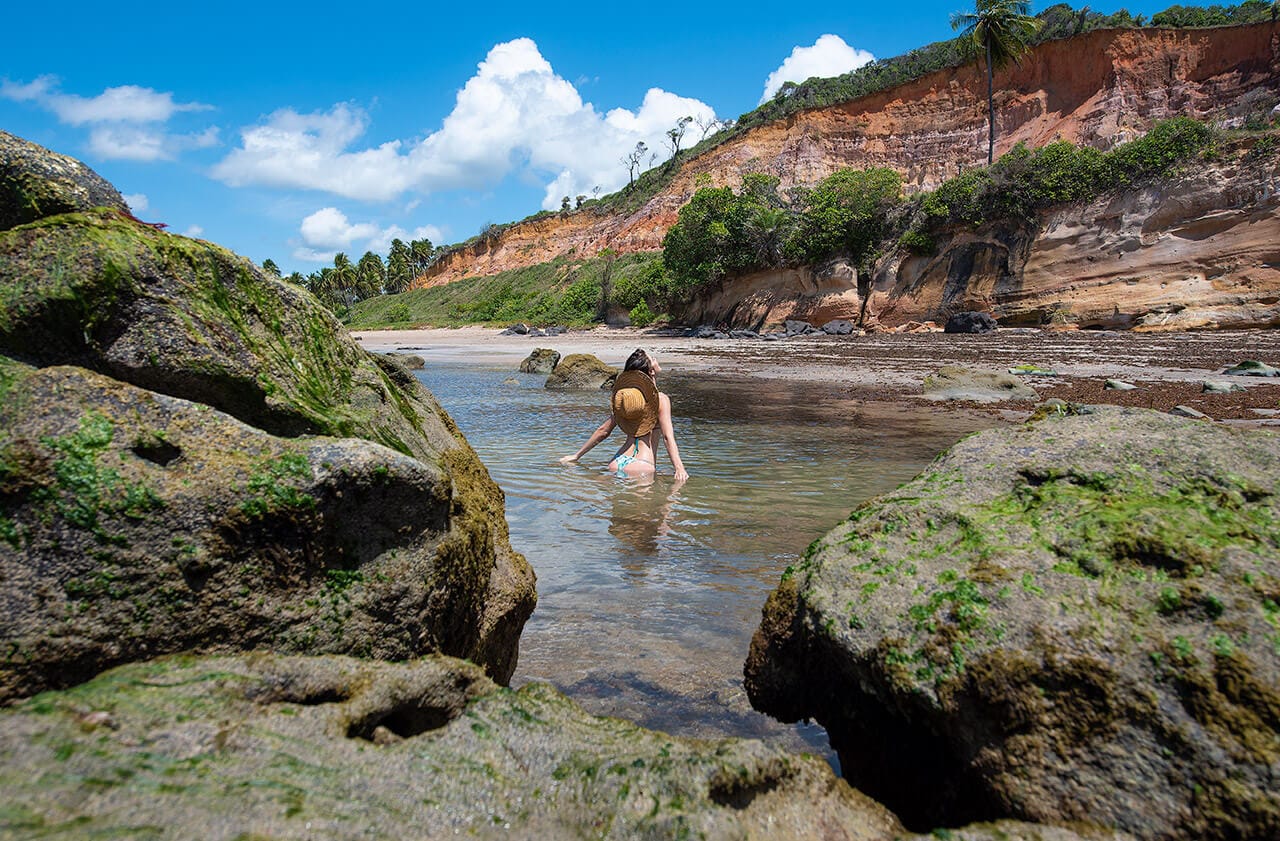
1074,620
195,455
265,746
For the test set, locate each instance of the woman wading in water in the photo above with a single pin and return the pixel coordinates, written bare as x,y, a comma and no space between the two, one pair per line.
637,408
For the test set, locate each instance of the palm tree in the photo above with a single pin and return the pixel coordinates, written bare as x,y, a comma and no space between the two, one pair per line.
1002,29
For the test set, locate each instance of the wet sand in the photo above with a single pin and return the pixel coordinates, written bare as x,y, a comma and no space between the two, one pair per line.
1168,368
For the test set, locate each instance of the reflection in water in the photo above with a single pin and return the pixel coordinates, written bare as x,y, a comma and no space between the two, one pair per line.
649,592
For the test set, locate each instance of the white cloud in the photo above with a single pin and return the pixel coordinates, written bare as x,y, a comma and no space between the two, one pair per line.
138,202
194,231
125,122
328,231
829,56
514,114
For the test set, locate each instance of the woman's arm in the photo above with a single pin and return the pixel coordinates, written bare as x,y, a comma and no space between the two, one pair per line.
602,432
669,436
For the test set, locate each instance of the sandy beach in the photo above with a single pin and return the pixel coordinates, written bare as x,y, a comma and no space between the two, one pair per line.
1169,369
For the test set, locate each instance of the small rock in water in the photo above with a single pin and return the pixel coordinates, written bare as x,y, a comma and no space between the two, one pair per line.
383,735
1216,387
1118,385
1252,368
1188,412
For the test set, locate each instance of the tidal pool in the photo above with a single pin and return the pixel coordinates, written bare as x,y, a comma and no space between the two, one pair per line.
648,594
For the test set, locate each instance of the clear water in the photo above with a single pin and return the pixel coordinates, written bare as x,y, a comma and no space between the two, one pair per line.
648,594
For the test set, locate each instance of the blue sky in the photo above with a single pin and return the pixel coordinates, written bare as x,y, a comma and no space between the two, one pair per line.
293,131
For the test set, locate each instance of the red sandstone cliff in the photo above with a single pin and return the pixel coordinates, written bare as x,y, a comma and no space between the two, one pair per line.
1099,89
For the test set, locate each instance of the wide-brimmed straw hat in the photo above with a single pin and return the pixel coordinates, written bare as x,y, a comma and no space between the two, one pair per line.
635,402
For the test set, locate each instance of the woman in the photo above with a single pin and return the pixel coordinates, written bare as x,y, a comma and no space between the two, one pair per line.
637,409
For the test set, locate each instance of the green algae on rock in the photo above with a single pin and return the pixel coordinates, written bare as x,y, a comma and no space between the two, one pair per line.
110,323
581,370
305,747
35,183
1074,620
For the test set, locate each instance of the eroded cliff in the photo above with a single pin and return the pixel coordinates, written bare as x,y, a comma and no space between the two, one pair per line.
1098,89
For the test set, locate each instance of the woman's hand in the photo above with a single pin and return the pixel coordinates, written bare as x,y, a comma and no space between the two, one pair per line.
681,474
569,460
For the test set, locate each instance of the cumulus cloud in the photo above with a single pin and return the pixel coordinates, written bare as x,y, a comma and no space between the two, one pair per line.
328,231
195,231
829,56
125,122
138,202
514,114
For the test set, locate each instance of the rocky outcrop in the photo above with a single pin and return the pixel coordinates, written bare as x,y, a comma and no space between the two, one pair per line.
290,747
196,455
1199,250
581,370
1096,89
40,183
813,294
1072,620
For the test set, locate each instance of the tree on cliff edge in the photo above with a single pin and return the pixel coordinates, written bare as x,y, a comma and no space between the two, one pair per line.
1001,29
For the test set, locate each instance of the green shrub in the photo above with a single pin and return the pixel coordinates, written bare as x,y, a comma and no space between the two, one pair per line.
641,315
845,214
398,312
918,242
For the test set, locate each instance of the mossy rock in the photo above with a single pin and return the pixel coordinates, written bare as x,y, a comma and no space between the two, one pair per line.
291,747
952,382
1071,620
160,316
541,361
36,183
582,370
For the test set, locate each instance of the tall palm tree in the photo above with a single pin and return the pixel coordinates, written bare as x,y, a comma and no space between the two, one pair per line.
1001,28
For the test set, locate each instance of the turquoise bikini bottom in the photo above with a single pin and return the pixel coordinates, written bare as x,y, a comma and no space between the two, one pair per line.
623,461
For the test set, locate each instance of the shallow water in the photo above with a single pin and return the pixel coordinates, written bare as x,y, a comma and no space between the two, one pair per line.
648,594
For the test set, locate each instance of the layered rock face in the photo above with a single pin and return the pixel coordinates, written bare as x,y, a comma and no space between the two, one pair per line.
1199,250
1072,620
1096,89
196,456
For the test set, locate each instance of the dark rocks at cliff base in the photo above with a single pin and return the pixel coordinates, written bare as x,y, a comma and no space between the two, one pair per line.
195,455
952,382
838,327
283,747
1067,621
36,183
970,322
516,330
541,361
582,371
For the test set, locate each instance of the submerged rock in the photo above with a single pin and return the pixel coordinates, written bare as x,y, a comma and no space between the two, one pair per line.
955,383
541,361
1073,620
292,747
196,455
582,370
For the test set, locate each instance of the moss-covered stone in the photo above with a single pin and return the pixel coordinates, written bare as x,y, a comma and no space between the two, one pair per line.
1071,620
35,183
581,370
281,747
162,338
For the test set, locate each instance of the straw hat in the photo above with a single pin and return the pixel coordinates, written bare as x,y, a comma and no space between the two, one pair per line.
635,402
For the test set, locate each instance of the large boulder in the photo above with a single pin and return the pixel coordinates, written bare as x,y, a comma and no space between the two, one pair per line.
541,361
195,455
35,183
264,746
953,382
1071,620
582,370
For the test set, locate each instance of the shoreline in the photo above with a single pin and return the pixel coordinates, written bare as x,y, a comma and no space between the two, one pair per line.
1169,369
